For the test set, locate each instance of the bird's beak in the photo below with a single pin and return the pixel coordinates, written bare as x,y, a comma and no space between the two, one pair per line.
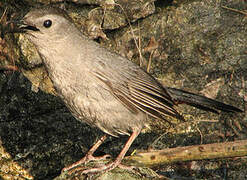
19,26
24,27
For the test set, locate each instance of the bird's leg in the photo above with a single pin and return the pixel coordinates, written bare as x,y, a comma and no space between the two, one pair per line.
89,156
118,160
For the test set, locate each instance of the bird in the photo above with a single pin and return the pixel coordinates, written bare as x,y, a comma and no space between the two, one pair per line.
101,87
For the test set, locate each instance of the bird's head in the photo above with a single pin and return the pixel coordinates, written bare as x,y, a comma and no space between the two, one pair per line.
46,25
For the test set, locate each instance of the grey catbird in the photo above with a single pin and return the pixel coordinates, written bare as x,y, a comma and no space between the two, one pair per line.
101,87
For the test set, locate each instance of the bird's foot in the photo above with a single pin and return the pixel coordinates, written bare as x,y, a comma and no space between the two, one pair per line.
87,158
103,168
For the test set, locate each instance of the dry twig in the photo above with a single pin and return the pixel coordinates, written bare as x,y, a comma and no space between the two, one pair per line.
189,153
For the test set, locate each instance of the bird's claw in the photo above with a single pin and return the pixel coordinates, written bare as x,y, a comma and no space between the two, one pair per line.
87,158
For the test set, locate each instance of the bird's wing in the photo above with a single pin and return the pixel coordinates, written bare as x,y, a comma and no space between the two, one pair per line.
140,92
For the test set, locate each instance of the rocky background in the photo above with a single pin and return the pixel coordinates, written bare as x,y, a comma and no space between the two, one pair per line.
196,45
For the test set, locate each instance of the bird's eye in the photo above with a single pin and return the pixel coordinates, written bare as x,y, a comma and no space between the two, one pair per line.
47,23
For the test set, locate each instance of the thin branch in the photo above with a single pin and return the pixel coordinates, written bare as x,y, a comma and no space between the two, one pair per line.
235,10
189,153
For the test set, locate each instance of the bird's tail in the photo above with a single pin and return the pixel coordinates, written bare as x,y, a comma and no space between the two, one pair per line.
199,101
